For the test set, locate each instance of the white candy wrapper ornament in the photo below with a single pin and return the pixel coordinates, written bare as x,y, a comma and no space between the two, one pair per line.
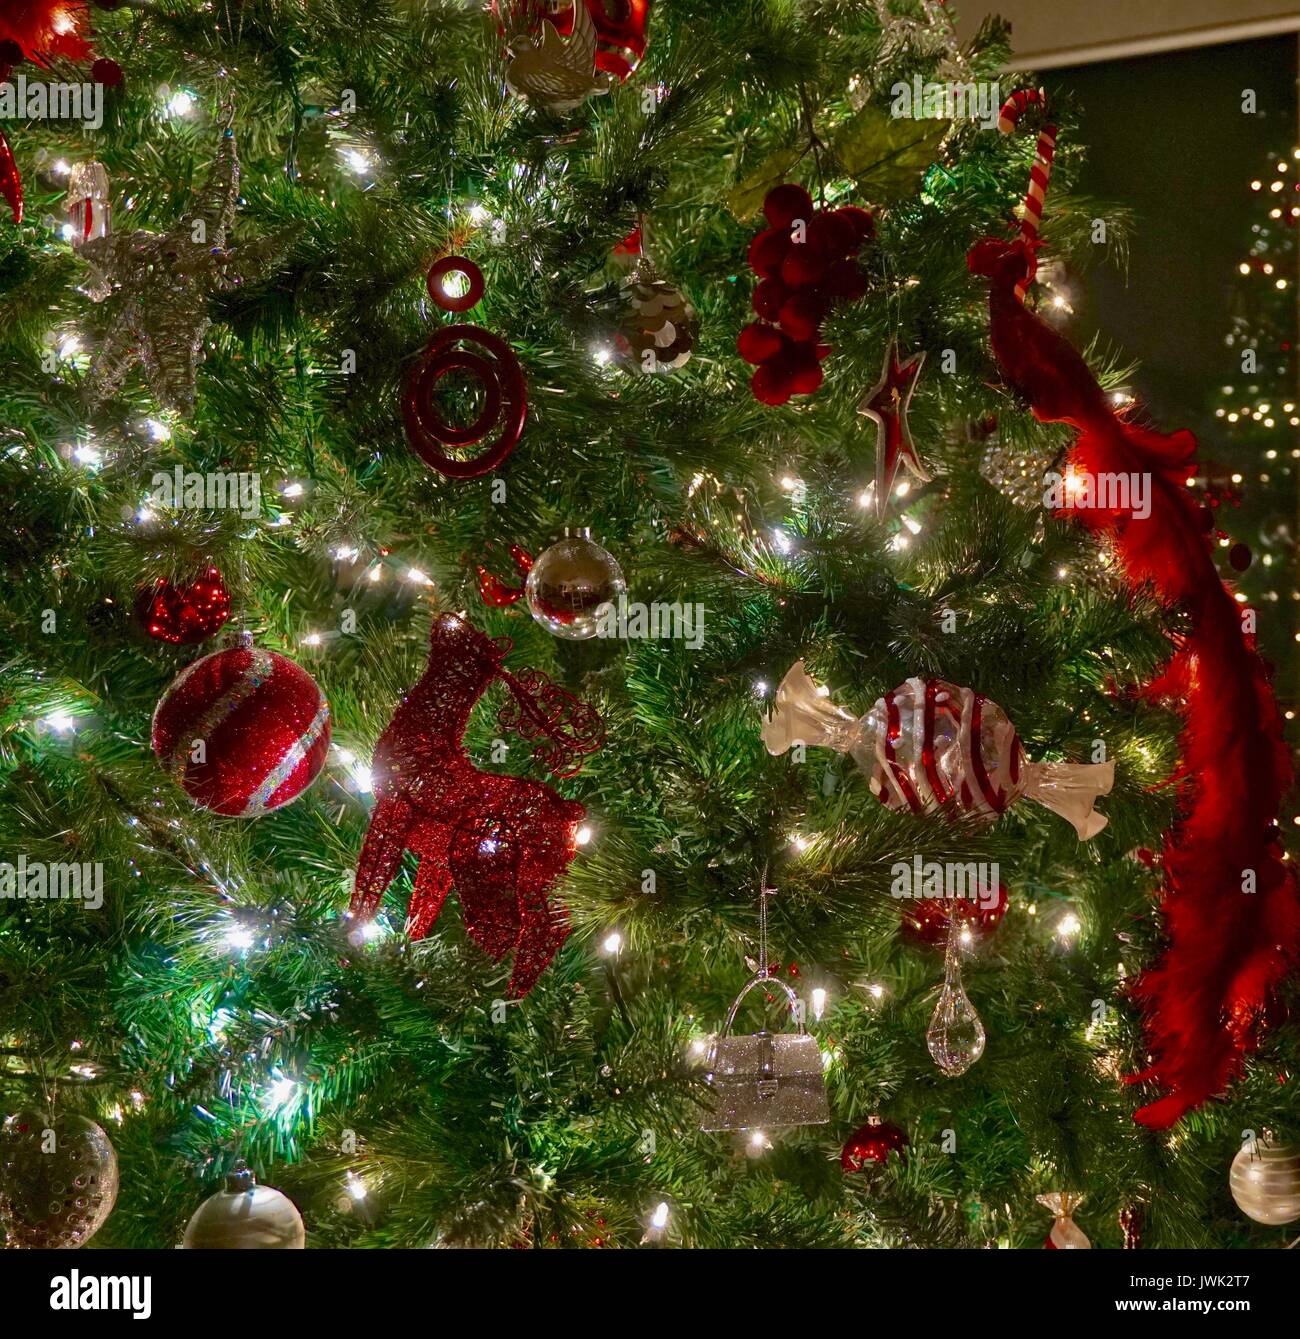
930,746
88,205
1066,1235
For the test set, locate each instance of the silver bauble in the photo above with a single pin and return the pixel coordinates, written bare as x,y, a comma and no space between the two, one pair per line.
570,582
246,1216
1265,1181
58,1180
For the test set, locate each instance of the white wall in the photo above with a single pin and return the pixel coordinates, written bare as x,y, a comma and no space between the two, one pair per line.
1070,32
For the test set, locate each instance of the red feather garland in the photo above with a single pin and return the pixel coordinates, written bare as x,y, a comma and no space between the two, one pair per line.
1205,1001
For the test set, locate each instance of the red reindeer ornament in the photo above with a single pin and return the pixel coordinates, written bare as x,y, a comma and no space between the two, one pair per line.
501,841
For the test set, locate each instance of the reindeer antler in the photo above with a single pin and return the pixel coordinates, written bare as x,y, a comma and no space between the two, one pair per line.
540,709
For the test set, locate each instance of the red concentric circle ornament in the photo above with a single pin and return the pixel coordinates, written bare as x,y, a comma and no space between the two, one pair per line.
244,730
491,362
448,300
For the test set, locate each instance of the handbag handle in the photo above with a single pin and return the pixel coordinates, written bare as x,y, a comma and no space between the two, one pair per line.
761,979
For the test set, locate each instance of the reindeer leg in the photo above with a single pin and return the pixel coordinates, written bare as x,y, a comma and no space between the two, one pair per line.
381,853
544,925
432,880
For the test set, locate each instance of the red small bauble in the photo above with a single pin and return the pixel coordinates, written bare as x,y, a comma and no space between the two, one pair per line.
770,295
873,1142
184,613
803,266
808,375
860,220
757,342
773,383
843,280
243,730
767,251
802,315
784,204
925,921
832,235
1239,556
107,72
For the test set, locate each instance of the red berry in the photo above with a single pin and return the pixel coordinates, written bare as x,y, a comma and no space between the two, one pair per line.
1239,556
831,235
802,315
844,281
803,266
771,383
107,72
757,342
860,220
770,296
786,203
807,378
767,251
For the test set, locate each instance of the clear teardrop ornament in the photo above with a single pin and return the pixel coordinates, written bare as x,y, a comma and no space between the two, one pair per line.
955,1037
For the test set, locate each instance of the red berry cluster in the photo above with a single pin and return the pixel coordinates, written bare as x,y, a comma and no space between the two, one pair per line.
804,261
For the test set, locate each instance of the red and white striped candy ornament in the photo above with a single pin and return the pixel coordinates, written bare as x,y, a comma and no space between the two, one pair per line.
1040,174
933,747
244,730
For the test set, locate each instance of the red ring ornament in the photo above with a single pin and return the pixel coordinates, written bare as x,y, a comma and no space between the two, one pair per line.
455,265
505,401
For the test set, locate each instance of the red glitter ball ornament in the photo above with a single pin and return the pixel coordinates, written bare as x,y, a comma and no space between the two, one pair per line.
500,841
184,613
873,1142
925,921
244,730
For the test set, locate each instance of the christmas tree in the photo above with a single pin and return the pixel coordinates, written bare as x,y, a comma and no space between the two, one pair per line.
525,522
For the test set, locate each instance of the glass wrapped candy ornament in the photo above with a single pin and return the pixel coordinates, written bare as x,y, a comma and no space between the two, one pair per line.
88,204
1066,1234
933,747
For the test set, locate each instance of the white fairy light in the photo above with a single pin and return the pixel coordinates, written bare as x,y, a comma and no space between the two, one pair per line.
356,1187
659,1219
1068,926
416,577
818,1002
239,937
180,103
782,541
61,722
600,355
291,488
584,834
357,161
612,943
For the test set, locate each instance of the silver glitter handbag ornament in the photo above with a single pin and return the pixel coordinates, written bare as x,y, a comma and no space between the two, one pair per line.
766,1080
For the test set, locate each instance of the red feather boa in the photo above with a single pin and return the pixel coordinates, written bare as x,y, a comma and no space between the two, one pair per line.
47,27
1205,1001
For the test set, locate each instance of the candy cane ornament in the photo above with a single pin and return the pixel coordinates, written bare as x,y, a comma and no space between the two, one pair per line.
1039,176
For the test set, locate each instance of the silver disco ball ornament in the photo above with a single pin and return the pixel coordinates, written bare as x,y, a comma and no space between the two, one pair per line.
570,582
58,1180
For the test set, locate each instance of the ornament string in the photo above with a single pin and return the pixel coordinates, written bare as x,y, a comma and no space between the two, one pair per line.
1039,175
